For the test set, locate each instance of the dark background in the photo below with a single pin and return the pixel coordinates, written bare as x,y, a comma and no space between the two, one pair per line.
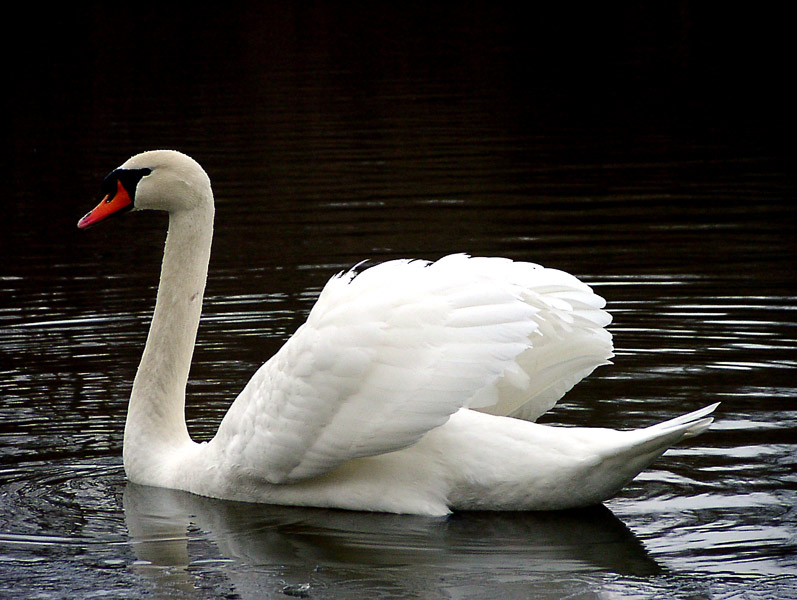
620,75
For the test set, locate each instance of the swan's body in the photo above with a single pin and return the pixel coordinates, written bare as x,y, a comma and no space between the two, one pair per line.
411,388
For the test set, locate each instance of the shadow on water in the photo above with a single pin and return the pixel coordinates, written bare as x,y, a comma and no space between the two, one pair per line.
319,551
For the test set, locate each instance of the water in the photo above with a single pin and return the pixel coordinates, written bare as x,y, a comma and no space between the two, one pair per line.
639,150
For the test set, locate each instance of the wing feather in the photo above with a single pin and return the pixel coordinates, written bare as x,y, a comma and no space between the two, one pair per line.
391,352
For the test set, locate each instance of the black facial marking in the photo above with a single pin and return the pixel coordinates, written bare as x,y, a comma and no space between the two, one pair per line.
129,179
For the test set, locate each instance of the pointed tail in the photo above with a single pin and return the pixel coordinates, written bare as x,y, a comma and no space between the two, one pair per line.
642,446
685,426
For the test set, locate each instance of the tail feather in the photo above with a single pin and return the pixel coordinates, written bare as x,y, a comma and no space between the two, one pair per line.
688,425
642,446
620,462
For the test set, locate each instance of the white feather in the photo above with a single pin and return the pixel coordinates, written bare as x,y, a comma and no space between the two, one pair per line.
397,394
384,357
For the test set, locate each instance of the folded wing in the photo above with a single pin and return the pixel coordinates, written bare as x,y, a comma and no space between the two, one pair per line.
390,353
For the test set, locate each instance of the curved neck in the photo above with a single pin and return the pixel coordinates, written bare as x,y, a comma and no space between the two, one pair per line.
156,415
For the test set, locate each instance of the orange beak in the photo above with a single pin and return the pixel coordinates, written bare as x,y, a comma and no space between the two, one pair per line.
108,206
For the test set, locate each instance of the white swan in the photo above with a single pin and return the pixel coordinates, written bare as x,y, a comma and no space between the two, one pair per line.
411,388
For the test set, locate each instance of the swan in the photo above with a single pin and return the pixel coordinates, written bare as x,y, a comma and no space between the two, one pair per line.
413,387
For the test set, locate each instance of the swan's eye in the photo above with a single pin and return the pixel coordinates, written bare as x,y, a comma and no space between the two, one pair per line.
118,191
128,178
108,187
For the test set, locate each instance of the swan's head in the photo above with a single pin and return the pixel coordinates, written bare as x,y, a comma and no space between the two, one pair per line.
159,180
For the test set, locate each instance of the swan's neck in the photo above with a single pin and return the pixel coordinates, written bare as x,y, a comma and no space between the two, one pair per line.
156,426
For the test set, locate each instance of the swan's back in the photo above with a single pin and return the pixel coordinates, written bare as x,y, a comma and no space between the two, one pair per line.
390,353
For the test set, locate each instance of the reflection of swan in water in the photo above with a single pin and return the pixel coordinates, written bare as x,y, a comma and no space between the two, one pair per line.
273,546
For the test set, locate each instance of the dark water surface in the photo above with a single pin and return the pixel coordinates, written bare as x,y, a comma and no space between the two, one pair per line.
643,149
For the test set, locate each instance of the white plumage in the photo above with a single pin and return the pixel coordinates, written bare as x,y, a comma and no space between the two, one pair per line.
391,353
411,387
